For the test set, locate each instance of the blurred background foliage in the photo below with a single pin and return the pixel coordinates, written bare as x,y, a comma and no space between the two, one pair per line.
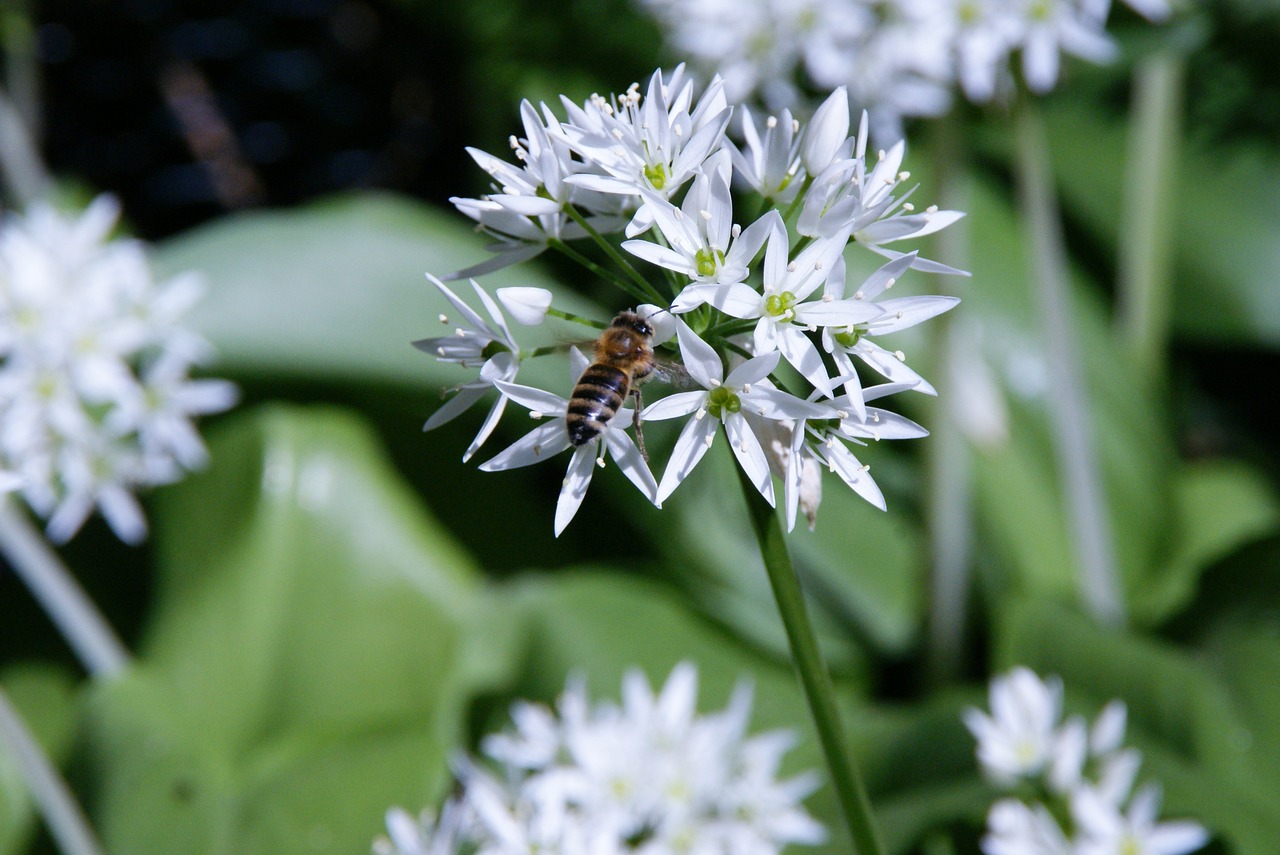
337,604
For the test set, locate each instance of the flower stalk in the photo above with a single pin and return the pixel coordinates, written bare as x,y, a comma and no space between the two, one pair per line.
818,691
62,814
1084,496
1144,280
79,621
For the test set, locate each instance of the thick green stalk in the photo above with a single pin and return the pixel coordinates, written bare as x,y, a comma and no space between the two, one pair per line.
61,812
1084,496
818,690
57,591
1145,258
624,264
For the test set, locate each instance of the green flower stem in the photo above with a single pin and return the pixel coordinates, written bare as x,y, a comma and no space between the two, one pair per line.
818,690
577,319
1084,496
1146,230
66,603
948,456
62,815
648,292
602,272
20,163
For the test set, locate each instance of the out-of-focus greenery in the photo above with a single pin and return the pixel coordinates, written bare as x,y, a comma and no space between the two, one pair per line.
337,603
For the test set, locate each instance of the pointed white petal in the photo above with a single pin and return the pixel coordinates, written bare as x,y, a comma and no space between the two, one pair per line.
690,446
700,358
574,488
534,447
750,454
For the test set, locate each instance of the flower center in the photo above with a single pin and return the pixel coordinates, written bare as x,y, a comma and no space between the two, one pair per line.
656,175
707,261
780,305
850,336
723,400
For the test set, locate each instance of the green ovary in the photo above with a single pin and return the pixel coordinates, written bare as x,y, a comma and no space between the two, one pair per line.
780,305
656,175
850,336
722,401
707,261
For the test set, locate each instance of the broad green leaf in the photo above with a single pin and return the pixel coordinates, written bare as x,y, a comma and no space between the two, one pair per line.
314,642
335,290
1227,254
1221,506
44,698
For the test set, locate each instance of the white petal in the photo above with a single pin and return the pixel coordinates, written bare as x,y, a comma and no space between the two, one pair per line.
700,358
574,489
534,447
689,448
750,454
674,406
753,370
537,400
526,304
629,459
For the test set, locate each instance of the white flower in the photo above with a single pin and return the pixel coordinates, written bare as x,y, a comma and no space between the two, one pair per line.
1019,738
475,343
652,143
770,165
650,775
1059,25
894,315
725,401
423,835
1014,828
702,242
552,438
1105,830
95,395
784,316
527,305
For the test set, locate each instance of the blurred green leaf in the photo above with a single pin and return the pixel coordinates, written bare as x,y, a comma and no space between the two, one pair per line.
1221,506
45,697
1018,488
1193,730
310,655
1225,283
334,290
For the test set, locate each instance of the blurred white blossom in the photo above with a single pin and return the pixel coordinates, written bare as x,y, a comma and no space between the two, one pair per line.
96,400
649,776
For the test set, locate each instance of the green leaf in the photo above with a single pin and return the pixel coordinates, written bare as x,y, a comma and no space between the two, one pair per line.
1224,286
335,290
310,656
1221,506
45,698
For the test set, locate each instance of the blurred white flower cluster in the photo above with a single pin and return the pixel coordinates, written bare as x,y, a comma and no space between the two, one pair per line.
650,776
1078,773
760,315
897,58
95,397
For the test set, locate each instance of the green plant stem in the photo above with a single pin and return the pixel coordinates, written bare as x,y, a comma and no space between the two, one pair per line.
57,591
949,495
20,163
1145,261
62,814
813,674
1084,496
647,291
602,272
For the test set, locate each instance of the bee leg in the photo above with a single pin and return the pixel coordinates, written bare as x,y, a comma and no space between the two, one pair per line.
635,422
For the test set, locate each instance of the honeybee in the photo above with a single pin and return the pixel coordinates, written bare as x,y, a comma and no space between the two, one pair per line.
623,360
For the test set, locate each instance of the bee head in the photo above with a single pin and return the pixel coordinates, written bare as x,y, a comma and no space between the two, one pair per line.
633,322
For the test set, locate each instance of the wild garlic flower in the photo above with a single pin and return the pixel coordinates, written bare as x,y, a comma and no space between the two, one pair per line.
745,296
650,776
95,395
1082,774
894,58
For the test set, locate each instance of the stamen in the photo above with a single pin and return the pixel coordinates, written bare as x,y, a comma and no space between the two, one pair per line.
444,319
771,122
902,357
534,414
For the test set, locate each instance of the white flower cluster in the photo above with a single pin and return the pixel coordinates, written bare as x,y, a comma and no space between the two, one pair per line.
95,397
896,57
760,317
1079,772
648,777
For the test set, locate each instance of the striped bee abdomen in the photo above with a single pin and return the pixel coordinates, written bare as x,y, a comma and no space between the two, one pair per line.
597,397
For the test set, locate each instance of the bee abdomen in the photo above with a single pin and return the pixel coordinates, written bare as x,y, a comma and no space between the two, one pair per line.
595,400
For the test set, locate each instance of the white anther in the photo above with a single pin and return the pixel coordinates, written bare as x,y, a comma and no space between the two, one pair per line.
902,357
705,214
858,295
771,122
535,414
